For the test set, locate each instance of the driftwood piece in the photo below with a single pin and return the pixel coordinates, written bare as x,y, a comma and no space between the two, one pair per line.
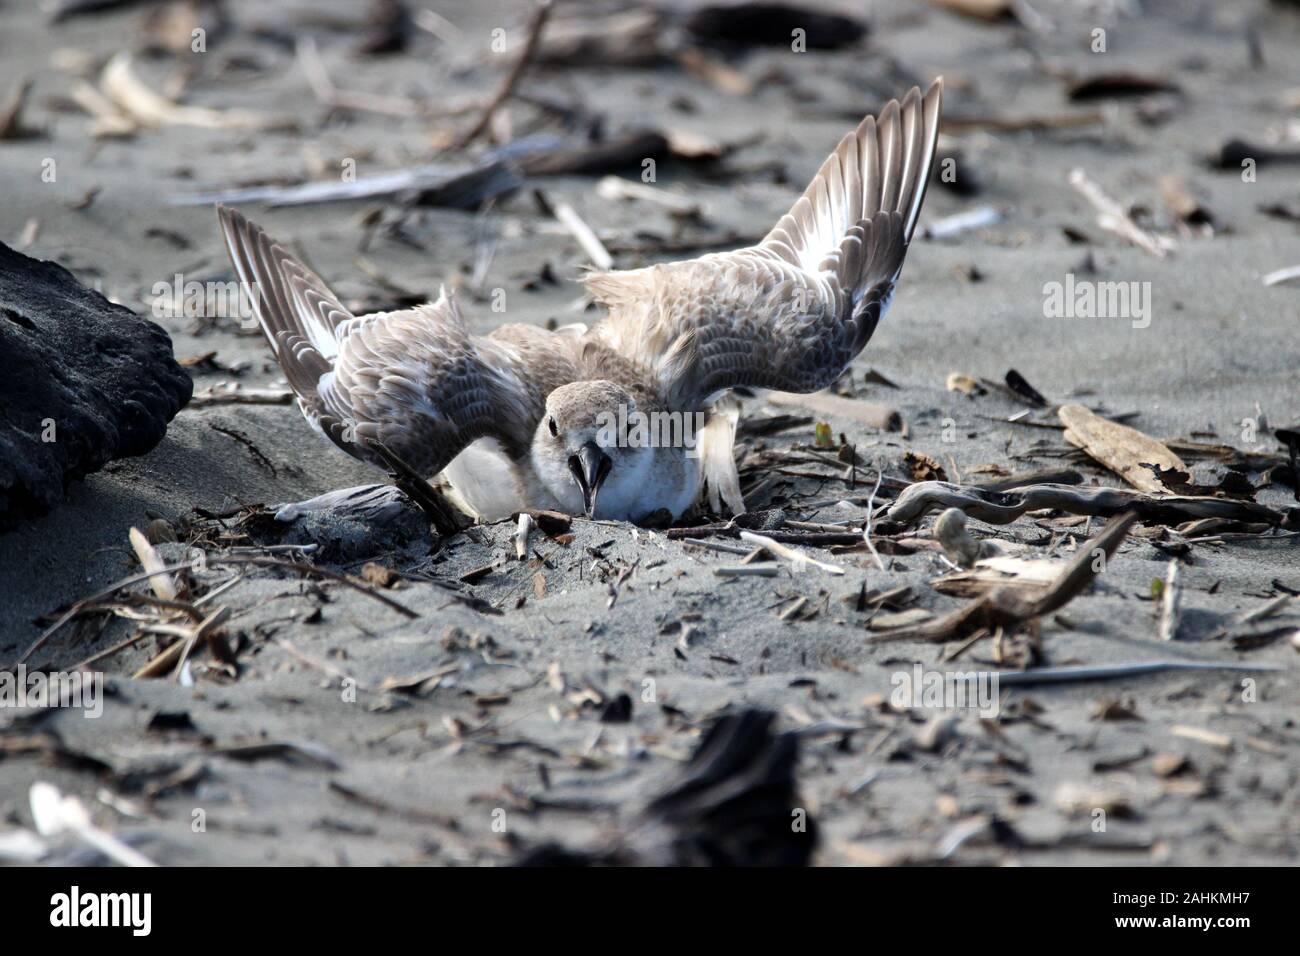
987,10
234,393
871,414
61,10
997,507
627,39
767,569
1118,83
148,107
1122,449
109,120
627,151
1235,152
769,23
1074,673
1010,607
435,185
551,522
1042,476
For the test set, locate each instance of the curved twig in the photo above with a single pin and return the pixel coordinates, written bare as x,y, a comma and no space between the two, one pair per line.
1003,507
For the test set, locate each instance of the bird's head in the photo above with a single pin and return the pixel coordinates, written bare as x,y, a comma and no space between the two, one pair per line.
581,450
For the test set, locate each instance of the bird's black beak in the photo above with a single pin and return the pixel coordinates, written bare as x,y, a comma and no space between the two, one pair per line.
590,466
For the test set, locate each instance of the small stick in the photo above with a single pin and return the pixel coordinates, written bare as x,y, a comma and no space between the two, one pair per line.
1282,275
866,527
323,666
512,78
585,235
767,570
521,535
793,609
312,570
615,187
1266,610
161,582
84,603
797,558
318,77
1171,599
11,111
109,652
971,219
1059,675
233,393
1221,741
717,546
209,624
1112,217
174,657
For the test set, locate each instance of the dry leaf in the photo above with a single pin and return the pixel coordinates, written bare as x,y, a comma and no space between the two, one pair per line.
1122,449
378,575
923,468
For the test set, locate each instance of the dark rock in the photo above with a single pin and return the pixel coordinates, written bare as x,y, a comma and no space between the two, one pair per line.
103,378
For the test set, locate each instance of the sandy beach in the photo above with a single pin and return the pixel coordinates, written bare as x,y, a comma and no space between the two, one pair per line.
484,715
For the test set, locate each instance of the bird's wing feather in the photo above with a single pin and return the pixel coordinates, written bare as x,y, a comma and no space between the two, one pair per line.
793,311
415,380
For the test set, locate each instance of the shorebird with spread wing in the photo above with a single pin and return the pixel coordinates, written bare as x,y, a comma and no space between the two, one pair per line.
522,417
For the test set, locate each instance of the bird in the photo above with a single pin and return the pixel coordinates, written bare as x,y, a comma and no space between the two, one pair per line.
526,417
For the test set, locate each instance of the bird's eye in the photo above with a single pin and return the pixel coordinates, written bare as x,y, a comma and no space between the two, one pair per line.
554,431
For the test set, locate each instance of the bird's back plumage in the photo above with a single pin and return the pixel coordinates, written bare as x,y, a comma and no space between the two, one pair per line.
791,312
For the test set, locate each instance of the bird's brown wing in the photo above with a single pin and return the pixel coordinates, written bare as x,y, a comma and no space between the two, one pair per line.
791,312
414,380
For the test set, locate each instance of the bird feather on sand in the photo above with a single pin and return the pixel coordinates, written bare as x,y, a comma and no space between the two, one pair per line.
525,417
